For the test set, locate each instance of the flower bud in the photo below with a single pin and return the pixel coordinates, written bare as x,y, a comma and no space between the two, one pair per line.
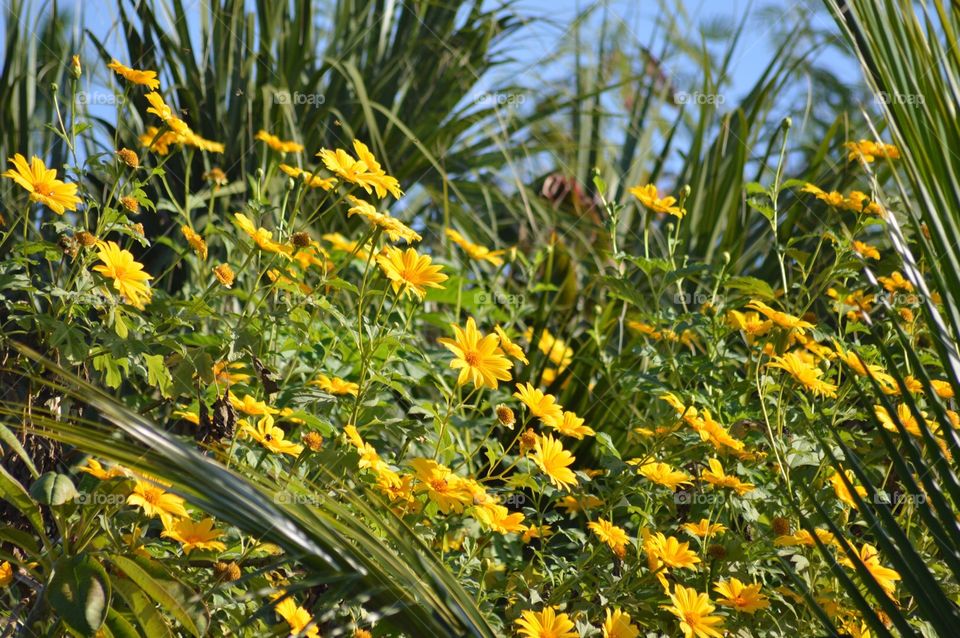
505,416
128,157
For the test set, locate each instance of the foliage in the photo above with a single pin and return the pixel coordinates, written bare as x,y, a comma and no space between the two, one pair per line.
720,406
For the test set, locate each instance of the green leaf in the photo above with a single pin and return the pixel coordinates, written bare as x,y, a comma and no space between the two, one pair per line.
607,444
151,622
158,375
750,286
157,591
119,626
119,323
53,489
15,494
761,208
113,369
79,592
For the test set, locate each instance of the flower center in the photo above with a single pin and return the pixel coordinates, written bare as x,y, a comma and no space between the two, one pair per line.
472,358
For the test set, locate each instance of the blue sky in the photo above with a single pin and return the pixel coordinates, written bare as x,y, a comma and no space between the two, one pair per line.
639,18
551,22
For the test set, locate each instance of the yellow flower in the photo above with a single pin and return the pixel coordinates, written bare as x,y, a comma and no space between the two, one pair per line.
546,624
718,478
410,272
832,198
136,76
335,385
195,240
311,180
224,274
663,474
159,108
272,437
193,535
153,139
475,251
297,617
854,362
614,537
804,538
570,425
498,518
534,531
554,461
251,406
895,282
450,492
369,457
339,242
277,144
155,501
841,490
668,551
782,319
261,236
943,389
648,197
868,150
556,349
904,415
704,528
542,406
375,176
575,504
6,574
365,172
42,184
223,372
805,373
477,356
509,347
343,164
865,250
393,227
748,322
744,598
94,468
694,611
129,278
618,625
884,576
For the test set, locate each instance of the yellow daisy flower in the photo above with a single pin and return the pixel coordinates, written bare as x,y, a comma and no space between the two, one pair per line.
129,278
477,356
42,184
410,272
